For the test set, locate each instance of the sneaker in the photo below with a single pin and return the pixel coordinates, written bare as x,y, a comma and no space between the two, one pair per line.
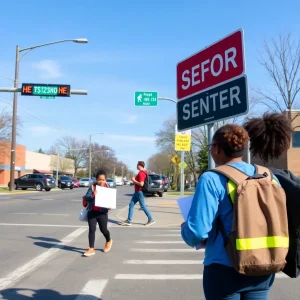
107,246
125,223
90,252
149,223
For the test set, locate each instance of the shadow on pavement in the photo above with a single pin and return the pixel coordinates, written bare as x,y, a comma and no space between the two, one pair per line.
63,247
113,221
42,294
45,239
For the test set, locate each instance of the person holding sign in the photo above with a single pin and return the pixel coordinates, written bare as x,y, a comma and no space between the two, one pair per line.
97,215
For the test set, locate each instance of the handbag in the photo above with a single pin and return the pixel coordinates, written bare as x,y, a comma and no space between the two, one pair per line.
83,217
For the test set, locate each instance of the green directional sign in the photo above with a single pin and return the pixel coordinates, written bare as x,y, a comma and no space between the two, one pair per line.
47,97
145,98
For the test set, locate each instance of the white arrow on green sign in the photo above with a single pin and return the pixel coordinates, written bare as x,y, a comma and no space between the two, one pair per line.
145,98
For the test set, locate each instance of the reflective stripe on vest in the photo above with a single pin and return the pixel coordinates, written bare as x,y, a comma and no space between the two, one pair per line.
259,242
262,242
231,189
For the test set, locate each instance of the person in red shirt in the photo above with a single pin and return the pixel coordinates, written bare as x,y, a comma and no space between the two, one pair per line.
138,196
97,215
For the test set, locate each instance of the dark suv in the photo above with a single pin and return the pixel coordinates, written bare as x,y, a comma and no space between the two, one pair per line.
65,182
155,185
35,181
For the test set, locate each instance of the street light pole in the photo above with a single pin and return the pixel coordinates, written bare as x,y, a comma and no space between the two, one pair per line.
90,158
15,103
14,123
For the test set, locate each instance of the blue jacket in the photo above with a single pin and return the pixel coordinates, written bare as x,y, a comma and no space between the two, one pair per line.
210,201
90,198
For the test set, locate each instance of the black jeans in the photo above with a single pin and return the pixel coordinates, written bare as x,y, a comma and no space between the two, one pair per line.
101,218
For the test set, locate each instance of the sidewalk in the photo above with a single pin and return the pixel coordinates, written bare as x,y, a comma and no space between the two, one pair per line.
164,211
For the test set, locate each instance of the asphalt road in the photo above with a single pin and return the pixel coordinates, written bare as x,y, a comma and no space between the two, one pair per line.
42,243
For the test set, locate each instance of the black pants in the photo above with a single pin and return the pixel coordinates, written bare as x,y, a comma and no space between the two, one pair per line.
101,218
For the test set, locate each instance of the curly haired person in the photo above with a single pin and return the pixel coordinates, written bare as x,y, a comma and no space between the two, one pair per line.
211,201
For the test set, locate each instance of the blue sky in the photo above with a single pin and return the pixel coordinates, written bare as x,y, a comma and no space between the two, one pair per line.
133,45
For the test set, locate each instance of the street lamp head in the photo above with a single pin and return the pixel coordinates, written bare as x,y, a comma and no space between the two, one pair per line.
81,41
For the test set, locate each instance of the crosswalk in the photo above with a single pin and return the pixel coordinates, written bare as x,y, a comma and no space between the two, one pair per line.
143,264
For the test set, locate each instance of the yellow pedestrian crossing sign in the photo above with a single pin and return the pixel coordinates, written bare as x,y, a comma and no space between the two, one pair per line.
175,159
185,165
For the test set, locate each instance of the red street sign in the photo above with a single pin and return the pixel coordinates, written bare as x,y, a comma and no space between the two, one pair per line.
216,64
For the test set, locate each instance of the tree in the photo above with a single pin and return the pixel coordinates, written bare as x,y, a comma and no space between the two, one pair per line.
160,163
165,139
64,164
75,149
281,60
202,157
41,151
6,131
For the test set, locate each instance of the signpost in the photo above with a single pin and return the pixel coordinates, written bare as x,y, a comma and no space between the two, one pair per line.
37,89
211,86
182,143
145,98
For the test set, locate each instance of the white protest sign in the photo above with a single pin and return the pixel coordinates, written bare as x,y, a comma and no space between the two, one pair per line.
106,197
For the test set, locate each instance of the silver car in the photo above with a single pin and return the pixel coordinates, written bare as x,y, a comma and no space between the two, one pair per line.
84,182
111,183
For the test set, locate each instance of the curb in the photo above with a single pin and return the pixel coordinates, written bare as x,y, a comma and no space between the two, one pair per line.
25,192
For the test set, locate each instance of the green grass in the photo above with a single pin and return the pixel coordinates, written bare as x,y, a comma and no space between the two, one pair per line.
6,190
178,193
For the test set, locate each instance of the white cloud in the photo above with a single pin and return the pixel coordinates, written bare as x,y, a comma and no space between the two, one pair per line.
40,130
131,138
129,119
48,69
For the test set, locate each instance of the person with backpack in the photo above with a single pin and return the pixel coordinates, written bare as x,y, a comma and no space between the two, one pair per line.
97,215
138,196
270,137
238,212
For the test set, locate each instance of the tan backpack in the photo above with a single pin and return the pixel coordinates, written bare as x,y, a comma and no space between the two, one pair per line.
259,239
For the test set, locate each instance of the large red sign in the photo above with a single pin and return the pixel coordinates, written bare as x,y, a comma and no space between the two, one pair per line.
211,66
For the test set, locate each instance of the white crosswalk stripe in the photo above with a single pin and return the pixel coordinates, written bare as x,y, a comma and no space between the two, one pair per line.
92,290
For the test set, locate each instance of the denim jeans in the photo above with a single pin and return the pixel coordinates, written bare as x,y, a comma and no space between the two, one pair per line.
138,197
224,283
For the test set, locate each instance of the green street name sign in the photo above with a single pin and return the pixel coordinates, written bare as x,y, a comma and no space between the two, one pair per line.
145,98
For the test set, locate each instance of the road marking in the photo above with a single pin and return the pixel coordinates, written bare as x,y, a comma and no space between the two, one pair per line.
159,242
165,250
49,199
165,235
76,200
65,215
170,276
163,262
92,290
159,276
44,214
24,213
20,272
43,225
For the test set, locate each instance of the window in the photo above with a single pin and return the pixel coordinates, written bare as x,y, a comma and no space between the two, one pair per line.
296,139
34,176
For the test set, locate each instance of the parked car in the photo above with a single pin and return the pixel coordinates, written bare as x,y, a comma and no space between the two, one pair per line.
84,182
111,183
35,181
166,183
155,185
76,183
65,182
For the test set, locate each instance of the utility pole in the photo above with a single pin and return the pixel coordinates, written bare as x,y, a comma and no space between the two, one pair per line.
122,172
57,164
14,124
